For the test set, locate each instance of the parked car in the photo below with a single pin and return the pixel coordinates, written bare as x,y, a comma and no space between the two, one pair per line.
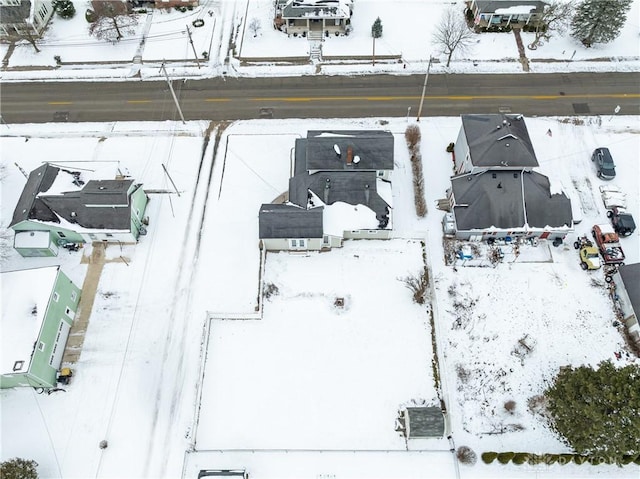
621,221
604,163
607,242
589,258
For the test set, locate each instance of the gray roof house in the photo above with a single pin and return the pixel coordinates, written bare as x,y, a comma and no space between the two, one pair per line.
499,204
24,18
627,282
58,201
302,17
493,141
340,179
503,15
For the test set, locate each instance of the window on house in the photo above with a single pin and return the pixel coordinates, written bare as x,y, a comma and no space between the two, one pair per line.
56,297
293,243
69,312
18,365
41,346
302,243
325,239
74,295
380,173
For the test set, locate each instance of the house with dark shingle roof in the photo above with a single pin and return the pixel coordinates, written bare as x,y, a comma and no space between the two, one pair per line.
57,201
516,204
627,283
24,17
340,189
300,17
493,141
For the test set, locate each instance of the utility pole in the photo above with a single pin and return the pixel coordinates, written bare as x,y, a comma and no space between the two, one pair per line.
173,94
374,51
424,89
192,47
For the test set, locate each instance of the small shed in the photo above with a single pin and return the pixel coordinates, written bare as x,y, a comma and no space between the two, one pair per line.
424,422
35,244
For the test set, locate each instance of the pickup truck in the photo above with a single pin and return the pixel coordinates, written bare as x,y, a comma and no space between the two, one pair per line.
615,201
608,244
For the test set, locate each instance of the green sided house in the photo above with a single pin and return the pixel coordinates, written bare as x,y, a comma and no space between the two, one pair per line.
38,308
57,207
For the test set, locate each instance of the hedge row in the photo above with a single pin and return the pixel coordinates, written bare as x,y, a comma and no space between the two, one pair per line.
562,459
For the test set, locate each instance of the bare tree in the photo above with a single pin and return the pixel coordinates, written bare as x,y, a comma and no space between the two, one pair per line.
27,34
554,19
254,26
111,20
452,33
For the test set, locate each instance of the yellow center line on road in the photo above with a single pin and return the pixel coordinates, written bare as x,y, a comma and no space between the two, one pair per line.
217,99
439,97
139,101
59,103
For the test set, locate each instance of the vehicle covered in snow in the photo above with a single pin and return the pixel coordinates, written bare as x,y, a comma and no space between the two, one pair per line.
608,244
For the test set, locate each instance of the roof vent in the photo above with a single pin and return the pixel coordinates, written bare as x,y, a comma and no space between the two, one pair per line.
336,148
73,214
102,187
356,160
500,185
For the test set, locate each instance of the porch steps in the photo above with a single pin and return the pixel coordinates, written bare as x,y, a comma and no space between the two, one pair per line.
315,52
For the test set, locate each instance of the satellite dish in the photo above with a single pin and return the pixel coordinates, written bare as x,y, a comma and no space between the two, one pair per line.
337,149
356,159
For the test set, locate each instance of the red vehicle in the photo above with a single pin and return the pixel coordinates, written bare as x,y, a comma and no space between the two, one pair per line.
608,244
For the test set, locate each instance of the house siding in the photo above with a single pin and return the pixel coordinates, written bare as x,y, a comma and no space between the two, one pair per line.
139,201
462,161
69,235
282,244
34,24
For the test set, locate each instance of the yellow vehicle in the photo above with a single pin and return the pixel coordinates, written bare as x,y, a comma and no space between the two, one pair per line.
589,256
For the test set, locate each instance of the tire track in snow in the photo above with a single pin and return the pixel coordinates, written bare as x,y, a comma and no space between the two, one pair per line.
171,366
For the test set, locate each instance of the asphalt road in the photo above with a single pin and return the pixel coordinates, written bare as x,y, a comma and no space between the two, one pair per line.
323,97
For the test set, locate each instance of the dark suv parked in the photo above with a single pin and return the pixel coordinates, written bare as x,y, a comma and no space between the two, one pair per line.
621,221
604,163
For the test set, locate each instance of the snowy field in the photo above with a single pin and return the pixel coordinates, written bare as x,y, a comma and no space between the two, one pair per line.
136,382
408,27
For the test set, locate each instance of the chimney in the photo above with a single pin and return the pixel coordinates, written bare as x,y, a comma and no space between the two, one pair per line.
349,155
367,194
327,187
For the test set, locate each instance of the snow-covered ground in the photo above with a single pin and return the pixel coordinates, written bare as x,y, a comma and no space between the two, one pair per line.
307,375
